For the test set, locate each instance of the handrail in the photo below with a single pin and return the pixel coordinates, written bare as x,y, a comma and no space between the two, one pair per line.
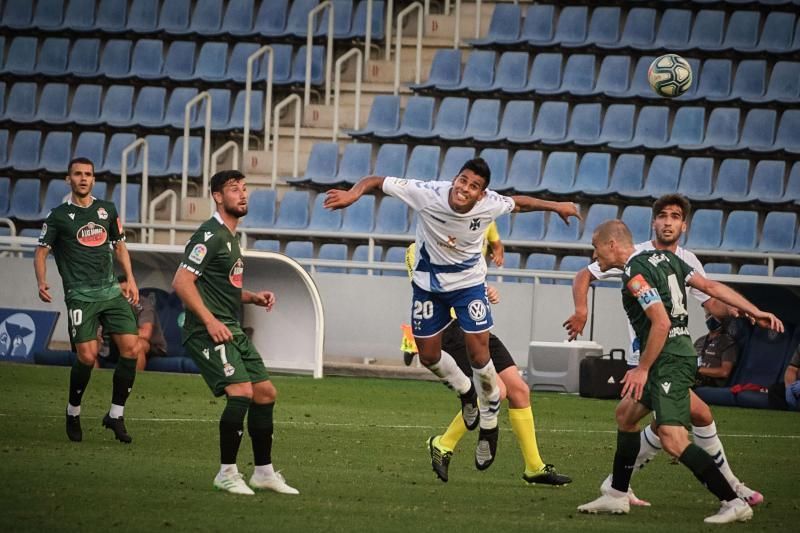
248,90
479,18
389,15
457,29
229,146
275,135
123,196
329,52
173,209
399,43
368,36
338,86
206,143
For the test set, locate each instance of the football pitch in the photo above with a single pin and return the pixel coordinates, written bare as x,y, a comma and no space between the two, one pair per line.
355,448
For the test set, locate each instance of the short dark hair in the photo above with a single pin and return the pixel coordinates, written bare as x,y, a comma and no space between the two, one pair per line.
222,177
80,161
672,199
479,166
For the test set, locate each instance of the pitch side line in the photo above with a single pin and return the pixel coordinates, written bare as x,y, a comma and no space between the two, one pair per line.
396,426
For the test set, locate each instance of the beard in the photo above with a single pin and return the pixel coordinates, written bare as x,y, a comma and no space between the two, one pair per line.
661,238
236,210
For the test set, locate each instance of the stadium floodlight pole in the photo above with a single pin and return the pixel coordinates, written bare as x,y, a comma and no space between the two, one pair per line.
353,52
329,52
399,43
123,195
206,143
248,89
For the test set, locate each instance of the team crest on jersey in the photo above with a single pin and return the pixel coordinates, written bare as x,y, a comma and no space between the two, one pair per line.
102,214
198,253
237,273
228,369
477,310
475,224
92,235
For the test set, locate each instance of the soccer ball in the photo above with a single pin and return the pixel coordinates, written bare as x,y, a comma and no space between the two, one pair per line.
670,75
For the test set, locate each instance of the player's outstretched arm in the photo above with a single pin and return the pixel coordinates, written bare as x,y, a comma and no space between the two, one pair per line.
580,298
338,199
40,268
722,292
563,209
184,285
131,293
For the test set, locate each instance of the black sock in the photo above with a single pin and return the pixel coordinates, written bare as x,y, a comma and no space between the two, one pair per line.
627,450
702,466
124,376
78,381
259,426
231,427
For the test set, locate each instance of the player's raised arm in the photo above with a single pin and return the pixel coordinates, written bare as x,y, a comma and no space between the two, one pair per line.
563,209
338,199
580,300
729,296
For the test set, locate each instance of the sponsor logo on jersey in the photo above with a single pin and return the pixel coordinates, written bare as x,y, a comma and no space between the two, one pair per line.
477,310
402,183
475,224
237,273
92,235
207,235
666,386
451,242
198,253
71,216
102,214
678,331
642,291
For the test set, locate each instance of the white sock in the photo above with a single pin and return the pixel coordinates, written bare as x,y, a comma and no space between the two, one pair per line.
706,437
73,410
116,410
447,370
649,446
485,379
265,470
228,469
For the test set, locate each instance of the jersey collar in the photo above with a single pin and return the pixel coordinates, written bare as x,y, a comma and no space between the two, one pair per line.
70,202
218,218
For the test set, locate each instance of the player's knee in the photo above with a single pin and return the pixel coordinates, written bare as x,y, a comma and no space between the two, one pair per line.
673,442
519,395
701,414
264,392
243,390
624,419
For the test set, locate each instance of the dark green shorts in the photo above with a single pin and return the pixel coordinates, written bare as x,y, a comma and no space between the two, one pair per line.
116,315
666,392
236,361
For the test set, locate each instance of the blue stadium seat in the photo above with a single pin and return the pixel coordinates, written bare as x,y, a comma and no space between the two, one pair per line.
484,116
784,84
174,114
787,271
451,118
742,31
174,17
53,56
517,124
497,160
113,160
158,156
478,73
503,223
84,58
584,124
57,191
53,104
638,219
317,66
115,63
579,76
673,30
299,249
445,71
792,193
537,261
333,252
604,26
713,81
750,82
56,152
551,122
25,151
651,129
361,253
572,25
454,159
117,110
758,131
384,116
132,201
256,111
778,233
359,217
392,216
297,20
17,14
293,210
423,164
539,24
741,231
732,180
342,20
559,173
512,73
2,96
511,260
3,149
5,195
147,61
617,126
707,30
753,270
220,109
560,231
528,226
696,178
776,36
614,75
143,16
571,263
397,255
639,86
628,174
705,231
179,61
49,14
598,213
21,56
593,175
281,63
212,62
417,120
662,178
111,16
359,27
79,16
261,209
150,107
788,136
270,21
766,185
722,130
718,268
92,145
504,27
639,32
22,103
25,199
324,219
525,171
545,74
391,160
207,18
267,245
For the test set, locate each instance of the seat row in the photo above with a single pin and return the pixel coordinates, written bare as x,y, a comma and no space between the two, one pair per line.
123,106
32,151
149,60
642,29
275,19
591,175
616,126
577,76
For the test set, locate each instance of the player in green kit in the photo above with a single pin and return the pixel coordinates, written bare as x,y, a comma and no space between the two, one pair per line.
209,282
654,296
85,234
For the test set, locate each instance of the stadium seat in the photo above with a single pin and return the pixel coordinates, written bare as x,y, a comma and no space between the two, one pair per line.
84,58
86,105
261,209
132,201
91,145
3,149
53,104
787,271
705,230
617,126
537,261
639,86
767,182
504,27
792,193
317,66
584,124
742,31
212,62
741,231
478,74
267,245
359,27
528,226
788,136
539,24
49,15
20,59
150,107
511,260
707,30
57,191
53,56
332,252
778,233
175,16
158,156
651,129
750,82
718,268
784,84
56,152
696,178
764,363
297,20
179,61
732,180
753,270
21,106
571,28
220,109
359,217
451,119
662,178
639,32
713,81
776,35
545,74
638,219
293,210
673,30
525,171
322,165
614,75
758,131
17,14
417,120
115,62
384,116
560,231
604,26
593,175
343,18
551,122
362,254
688,126
484,116
559,173
423,164
143,16
195,157
445,71
111,16
497,160
25,199
722,130
256,112
207,18
454,159
571,263
5,197
79,16
512,73
397,255
270,20
324,219
392,216
579,76
517,124
628,174
117,110
391,160
355,164
25,151
174,114
299,249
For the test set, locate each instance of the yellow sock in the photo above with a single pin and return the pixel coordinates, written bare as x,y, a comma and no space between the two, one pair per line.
522,424
455,431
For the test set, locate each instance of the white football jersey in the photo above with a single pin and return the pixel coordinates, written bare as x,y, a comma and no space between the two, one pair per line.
632,355
449,245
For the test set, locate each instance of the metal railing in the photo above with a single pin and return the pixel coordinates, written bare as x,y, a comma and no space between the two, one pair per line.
276,136
248,91
389,20
173,209
229,146
206,143
10,223
457,28
337,84
399,44
368,36
123,196
329,52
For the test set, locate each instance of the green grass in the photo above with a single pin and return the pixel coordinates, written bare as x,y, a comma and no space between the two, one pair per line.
355,449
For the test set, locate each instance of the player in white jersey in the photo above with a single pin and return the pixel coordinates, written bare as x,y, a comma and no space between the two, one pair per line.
669,223
450,272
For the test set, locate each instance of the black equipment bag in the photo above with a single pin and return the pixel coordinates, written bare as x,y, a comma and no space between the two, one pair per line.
601,375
